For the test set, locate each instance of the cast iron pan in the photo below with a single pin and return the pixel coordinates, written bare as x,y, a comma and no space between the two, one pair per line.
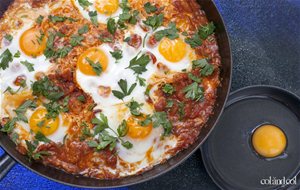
80,181
228,154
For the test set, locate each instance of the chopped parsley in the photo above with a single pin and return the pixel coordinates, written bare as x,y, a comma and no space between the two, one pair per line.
8,37
105,139
170,103
194,92
149,8
39,19
41,137
53,109
206,30
6,57
17,54
46,88
194,78
194,41
84,29
138,64
84,3
134,107
206,68
54,19
154,21
20,111
171,32
32,154
93,17
81,98
111,26
160,119
28,65
76,40
168,89
117,54
124,89
122,129
97,68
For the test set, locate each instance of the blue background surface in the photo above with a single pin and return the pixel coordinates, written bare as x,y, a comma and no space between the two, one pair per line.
265,40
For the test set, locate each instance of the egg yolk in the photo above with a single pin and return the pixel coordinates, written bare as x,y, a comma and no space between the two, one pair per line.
269,141
97,56
172,50
107,7
137,131
33,42
39,123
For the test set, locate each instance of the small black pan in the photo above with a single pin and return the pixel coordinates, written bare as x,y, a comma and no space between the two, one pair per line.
228,154
57,175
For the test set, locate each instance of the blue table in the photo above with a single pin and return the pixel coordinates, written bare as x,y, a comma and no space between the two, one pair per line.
265,37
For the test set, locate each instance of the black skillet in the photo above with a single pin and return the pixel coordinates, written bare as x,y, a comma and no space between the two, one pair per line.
57,175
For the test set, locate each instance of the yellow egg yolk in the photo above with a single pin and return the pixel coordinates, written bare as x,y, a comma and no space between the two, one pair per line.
33,42
137,131
94,55
269,141
39,123
107,7
173,50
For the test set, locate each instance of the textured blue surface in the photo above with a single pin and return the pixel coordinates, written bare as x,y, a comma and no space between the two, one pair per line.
265,39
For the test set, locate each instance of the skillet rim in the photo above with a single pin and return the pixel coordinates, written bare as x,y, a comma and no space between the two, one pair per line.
171,167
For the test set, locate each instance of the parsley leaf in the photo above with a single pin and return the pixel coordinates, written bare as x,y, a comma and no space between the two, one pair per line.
134,107
41,137
142,81
206,30
97,68
171,33
8,37
194,92
54,19
124,89
39,19
63,52
46,88
9,125
168,89
53,109
17,54
81,98
93,17
194,41
194,78
161,119
76,40
105,39
150,8
181,111
154,21
31,151
84,3
20,111
111,26
28,65
6,57
122,129
84,29
170,103
206,68
117,54
100,124
138,64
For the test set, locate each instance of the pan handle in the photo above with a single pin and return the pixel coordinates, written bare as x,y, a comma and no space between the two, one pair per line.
6,163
